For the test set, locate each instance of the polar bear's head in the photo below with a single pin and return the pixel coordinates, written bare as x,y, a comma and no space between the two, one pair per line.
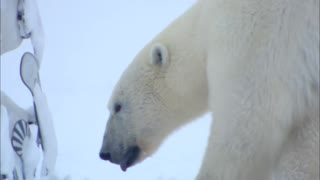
162,89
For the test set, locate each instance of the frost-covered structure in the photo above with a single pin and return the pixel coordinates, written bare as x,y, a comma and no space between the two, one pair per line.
28,141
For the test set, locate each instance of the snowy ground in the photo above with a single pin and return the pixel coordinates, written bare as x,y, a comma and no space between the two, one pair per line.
87,47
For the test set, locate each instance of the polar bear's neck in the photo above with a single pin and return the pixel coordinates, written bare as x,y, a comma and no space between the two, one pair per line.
187,76
183,88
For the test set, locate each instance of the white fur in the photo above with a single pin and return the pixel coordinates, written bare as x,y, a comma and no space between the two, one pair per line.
255,65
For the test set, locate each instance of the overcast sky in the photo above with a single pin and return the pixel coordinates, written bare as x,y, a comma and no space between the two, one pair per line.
88,45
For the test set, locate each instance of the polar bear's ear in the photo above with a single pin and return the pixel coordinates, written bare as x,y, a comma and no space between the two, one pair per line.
159,54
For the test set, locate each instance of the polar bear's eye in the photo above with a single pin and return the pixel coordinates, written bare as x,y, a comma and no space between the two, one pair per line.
117,108
159,54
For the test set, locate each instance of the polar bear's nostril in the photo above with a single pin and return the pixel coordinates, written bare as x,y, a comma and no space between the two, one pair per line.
105,156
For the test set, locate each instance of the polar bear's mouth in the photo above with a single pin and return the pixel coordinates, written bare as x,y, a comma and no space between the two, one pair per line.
130,157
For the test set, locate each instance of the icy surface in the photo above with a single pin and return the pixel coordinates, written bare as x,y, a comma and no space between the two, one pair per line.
33,25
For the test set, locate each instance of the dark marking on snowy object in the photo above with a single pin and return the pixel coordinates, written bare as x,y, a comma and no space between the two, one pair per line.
21,136
4,177
20,15
29,73
20,132
15,174
22,23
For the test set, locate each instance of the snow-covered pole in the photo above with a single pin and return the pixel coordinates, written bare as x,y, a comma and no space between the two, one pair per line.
20,20
29,72
10,34
30,26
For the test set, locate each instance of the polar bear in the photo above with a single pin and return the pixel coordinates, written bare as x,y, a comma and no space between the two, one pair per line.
253,64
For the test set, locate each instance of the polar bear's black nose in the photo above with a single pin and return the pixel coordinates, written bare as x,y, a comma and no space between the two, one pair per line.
105,156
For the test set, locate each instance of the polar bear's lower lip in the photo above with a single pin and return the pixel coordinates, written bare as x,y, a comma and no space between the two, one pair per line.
130,157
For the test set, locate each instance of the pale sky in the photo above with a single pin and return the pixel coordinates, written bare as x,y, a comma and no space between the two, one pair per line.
88,45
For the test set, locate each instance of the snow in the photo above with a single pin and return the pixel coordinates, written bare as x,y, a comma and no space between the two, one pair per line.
13,30
10,36
7,154
33,24
31,154
29,70
55,177
14,111
47,129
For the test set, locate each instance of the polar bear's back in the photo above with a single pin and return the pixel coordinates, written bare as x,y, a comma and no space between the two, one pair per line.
267,51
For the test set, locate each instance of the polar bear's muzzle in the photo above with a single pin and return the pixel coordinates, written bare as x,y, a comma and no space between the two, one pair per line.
128,159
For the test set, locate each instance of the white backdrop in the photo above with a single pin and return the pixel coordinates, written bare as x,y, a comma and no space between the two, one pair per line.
88,45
